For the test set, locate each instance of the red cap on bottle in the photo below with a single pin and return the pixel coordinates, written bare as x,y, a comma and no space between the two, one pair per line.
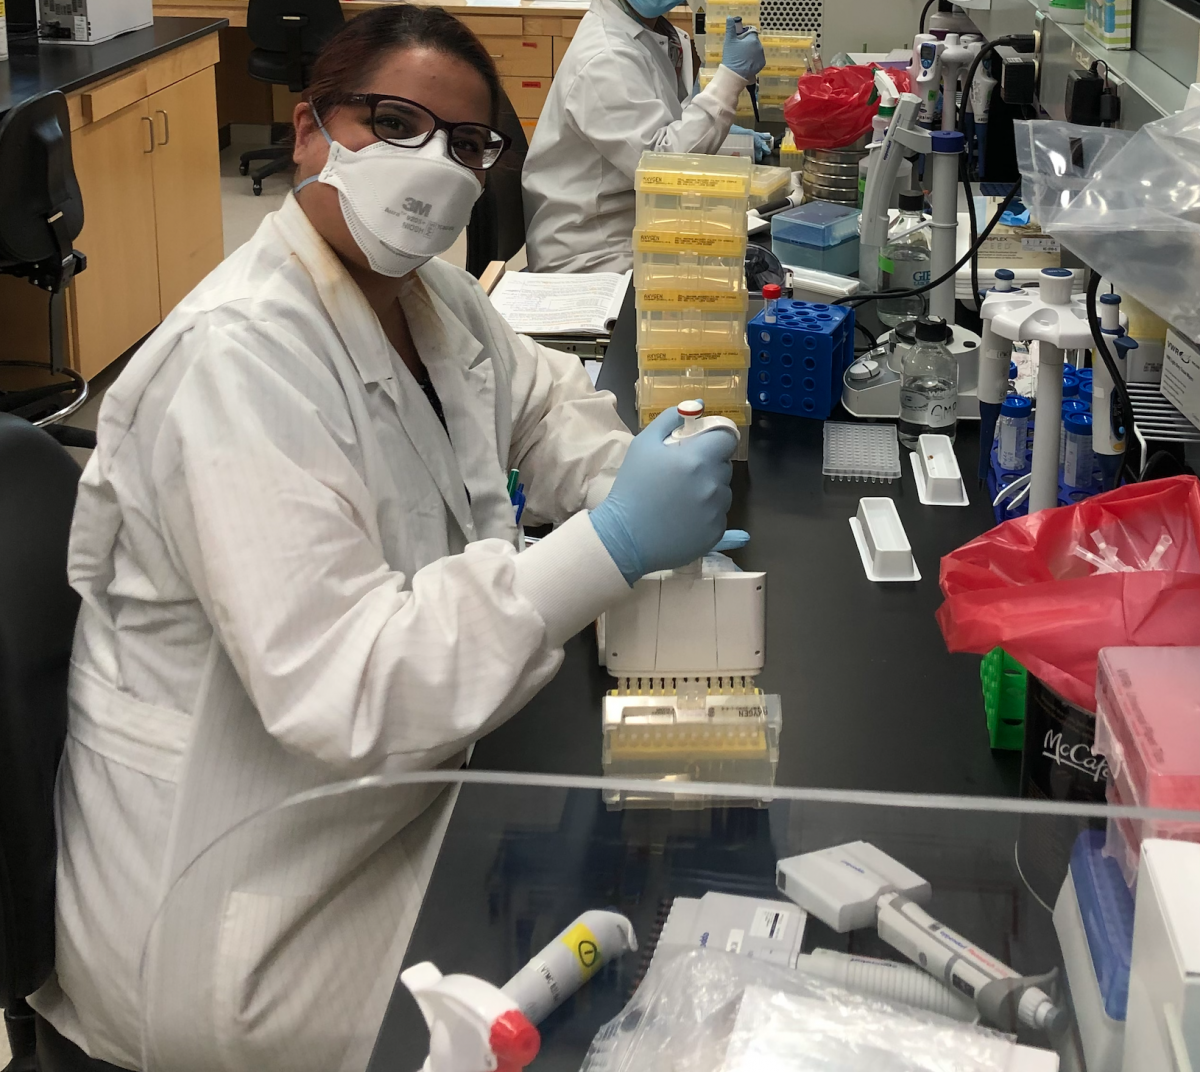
514,1041
772,290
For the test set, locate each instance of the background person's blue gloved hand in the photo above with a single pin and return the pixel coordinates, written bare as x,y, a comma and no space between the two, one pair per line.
732,540
742,52
763,142
668,504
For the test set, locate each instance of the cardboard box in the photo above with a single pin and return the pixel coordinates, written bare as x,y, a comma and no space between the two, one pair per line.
1110,22
1181,375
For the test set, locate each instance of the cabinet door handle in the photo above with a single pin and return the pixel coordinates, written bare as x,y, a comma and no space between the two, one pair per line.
150,122
166,127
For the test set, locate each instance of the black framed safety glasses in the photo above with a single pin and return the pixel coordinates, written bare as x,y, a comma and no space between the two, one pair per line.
406,123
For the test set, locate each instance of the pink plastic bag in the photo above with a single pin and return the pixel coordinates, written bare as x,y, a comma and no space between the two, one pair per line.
1121,569
834,107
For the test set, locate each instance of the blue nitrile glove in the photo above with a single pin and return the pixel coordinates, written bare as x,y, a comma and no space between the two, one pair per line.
763,142
668,504
733,540
743,51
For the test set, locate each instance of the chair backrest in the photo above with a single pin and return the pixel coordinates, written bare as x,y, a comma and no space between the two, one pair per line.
285,26
37,182
38,481
497,227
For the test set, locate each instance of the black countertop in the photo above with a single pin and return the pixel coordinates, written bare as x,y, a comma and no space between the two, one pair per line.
50,66
871,698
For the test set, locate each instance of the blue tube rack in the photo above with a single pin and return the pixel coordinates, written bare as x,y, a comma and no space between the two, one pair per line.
797,363
999,477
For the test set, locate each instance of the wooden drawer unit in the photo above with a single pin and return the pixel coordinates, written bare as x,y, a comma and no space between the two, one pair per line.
144,145
521,55
528,95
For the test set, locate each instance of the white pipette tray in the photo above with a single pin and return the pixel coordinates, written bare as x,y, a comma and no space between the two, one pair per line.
882,542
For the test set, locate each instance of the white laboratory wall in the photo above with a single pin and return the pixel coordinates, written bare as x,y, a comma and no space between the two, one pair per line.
870,25
881,25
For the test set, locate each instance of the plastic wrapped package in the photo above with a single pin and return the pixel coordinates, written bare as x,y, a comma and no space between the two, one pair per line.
1127,204
708,1011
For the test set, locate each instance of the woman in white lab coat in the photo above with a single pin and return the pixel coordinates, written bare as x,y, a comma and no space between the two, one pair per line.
624,87
298,563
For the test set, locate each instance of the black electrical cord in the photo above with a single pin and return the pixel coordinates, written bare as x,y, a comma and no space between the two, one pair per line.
1119,390
867,334
924,12
855,300
965,174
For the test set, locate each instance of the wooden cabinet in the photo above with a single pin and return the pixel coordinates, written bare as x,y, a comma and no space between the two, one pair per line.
115,302
145,149
187,200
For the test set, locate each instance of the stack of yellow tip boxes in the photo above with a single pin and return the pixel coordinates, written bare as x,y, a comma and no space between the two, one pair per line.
689,248
789,55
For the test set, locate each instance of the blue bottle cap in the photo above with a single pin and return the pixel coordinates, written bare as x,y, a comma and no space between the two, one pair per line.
1078,423
1110,299
1062,273
1012,370
1070,387
947,141
1085,393
1005,273
1016,406
1084,374
1072,405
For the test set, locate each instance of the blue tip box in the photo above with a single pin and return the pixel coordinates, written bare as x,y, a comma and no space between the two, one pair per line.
797,363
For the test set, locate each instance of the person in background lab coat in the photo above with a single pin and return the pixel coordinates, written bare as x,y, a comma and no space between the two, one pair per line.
625,86
298,564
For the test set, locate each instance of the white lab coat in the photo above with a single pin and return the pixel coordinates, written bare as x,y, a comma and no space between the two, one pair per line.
291,576
615,96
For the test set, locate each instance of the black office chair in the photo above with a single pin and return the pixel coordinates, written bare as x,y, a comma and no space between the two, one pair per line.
497,227
287,35
41,215
38,480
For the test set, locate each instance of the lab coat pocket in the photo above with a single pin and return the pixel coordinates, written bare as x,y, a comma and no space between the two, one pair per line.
293,972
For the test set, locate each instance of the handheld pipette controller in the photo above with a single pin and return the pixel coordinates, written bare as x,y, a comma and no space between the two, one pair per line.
851,886
473,1026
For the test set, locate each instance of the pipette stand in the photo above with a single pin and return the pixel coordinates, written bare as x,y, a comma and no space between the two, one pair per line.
1048,315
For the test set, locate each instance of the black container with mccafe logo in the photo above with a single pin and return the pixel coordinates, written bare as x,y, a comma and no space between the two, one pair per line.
1058,764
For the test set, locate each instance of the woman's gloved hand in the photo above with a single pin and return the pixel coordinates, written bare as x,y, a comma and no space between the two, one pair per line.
743,51
763,142
668,504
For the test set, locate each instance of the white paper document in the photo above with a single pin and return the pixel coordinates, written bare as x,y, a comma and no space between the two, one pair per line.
536,304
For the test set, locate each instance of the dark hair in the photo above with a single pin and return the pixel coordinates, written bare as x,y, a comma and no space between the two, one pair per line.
353,54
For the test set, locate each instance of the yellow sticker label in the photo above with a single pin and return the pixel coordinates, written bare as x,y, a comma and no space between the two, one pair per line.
726,245
716,302
664,182
736,412
584,947
730,357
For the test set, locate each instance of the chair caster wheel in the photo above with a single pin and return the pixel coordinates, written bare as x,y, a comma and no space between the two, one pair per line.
244,168
258,189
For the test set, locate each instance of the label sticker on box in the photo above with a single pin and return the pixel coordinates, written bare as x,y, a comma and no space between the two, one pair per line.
770,923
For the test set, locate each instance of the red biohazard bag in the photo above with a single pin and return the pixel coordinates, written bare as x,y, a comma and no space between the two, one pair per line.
834,107
1121,569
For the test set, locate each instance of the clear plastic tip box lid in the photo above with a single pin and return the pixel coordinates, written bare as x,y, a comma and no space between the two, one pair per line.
820,224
